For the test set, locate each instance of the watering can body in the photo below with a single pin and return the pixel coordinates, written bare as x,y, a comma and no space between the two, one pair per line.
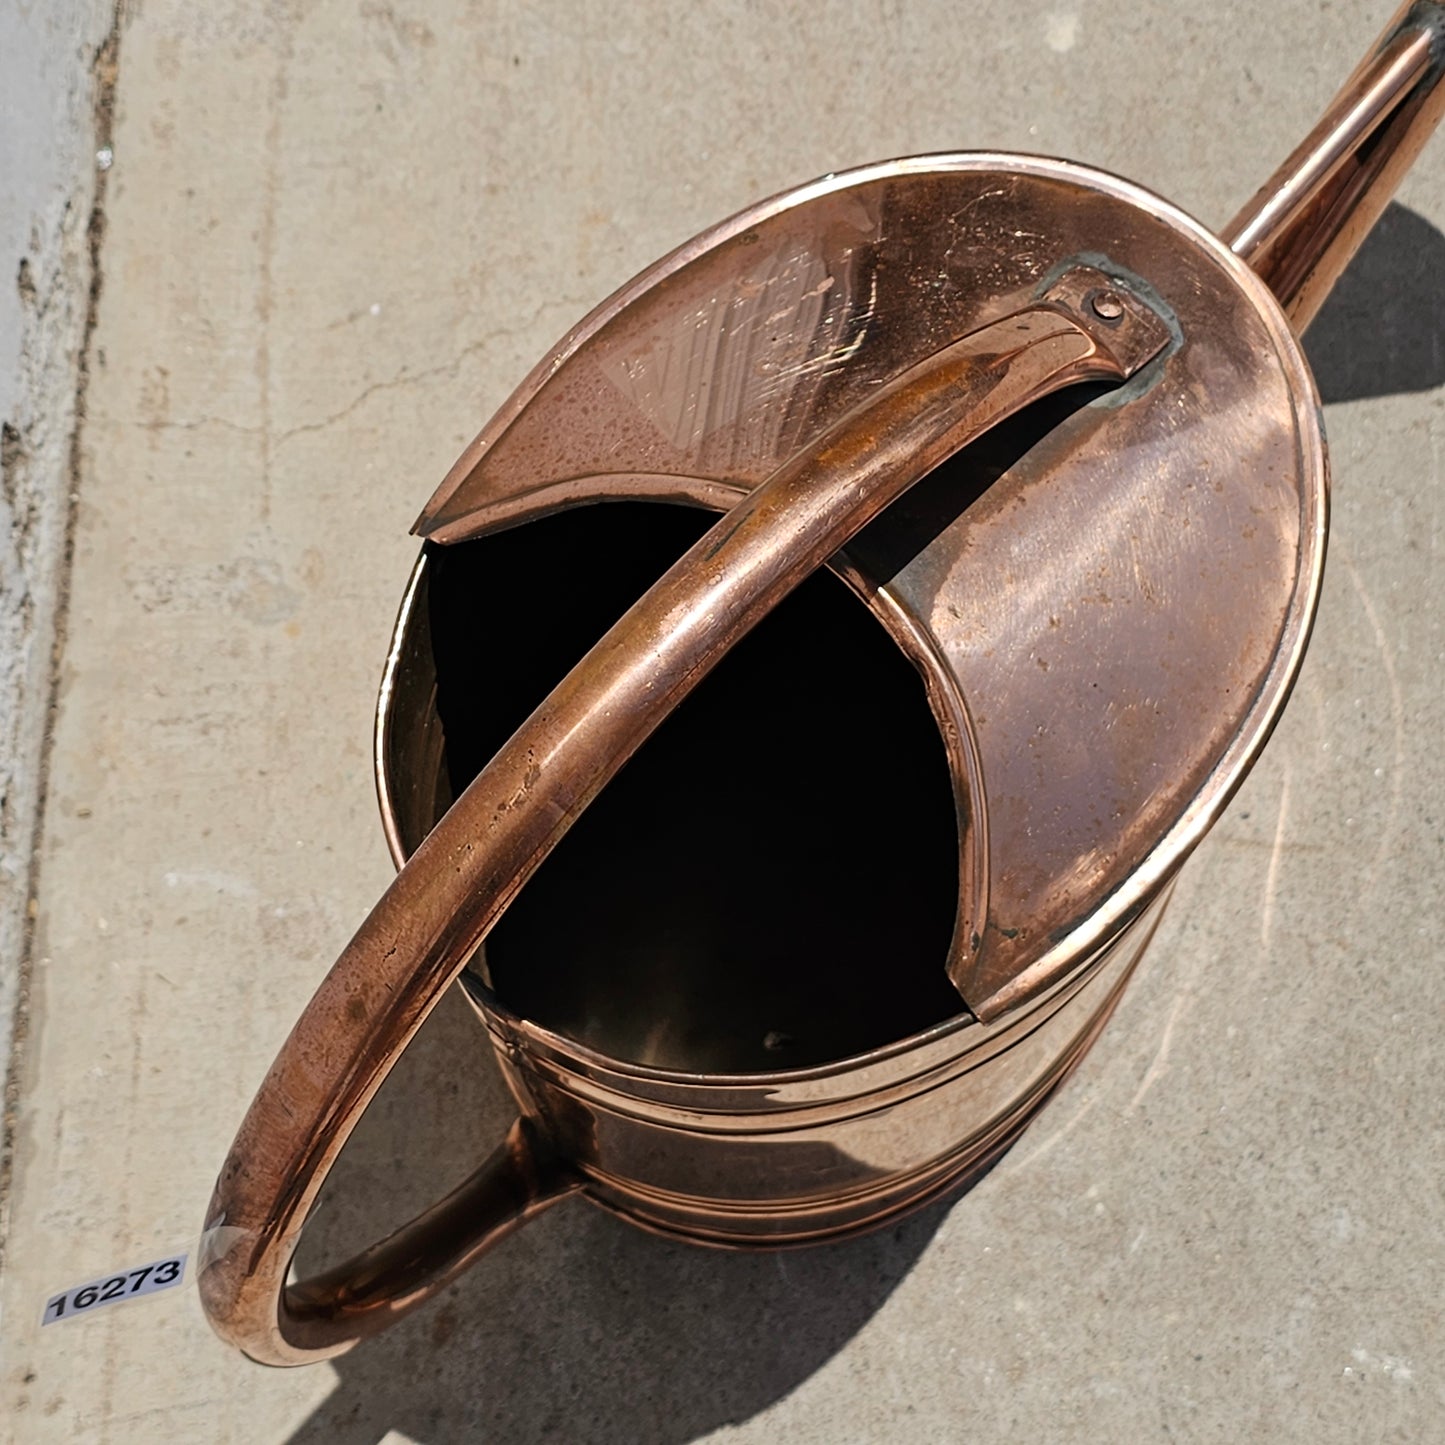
1106,613
1106,593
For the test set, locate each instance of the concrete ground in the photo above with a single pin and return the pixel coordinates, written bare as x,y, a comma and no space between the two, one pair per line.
336,237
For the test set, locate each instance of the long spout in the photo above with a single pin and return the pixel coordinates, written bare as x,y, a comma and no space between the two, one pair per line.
1307,221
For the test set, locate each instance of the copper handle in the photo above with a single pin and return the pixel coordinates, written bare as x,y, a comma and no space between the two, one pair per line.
442,903
520,1179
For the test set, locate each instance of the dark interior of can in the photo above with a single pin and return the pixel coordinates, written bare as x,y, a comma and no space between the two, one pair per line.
771,882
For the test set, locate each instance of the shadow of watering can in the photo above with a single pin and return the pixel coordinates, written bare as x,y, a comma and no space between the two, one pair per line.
1105,575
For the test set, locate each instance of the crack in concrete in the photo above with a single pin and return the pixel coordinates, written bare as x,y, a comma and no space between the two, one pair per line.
445,368
405,379
265,292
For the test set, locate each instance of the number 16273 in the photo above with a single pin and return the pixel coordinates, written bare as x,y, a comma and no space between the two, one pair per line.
112,1289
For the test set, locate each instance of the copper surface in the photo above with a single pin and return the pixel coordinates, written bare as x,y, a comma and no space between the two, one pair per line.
1096,728
1303,226
423,930
1108,609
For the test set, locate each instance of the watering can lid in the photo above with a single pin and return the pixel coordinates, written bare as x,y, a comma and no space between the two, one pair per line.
1107,628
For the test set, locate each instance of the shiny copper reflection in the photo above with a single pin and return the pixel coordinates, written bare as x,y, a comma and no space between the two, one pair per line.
1107,633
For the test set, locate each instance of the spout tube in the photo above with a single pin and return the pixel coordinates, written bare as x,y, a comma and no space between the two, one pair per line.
1302,228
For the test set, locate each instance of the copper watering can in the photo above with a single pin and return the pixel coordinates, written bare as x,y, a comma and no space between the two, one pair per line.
737,1031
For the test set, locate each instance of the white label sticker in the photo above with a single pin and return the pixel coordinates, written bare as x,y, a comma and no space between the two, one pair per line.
111,1289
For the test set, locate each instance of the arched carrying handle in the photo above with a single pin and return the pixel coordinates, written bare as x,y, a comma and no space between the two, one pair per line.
428,923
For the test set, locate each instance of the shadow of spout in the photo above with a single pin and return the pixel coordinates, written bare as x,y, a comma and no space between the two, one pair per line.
1382,330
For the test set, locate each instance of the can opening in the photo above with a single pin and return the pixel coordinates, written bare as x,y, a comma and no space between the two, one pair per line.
771,883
